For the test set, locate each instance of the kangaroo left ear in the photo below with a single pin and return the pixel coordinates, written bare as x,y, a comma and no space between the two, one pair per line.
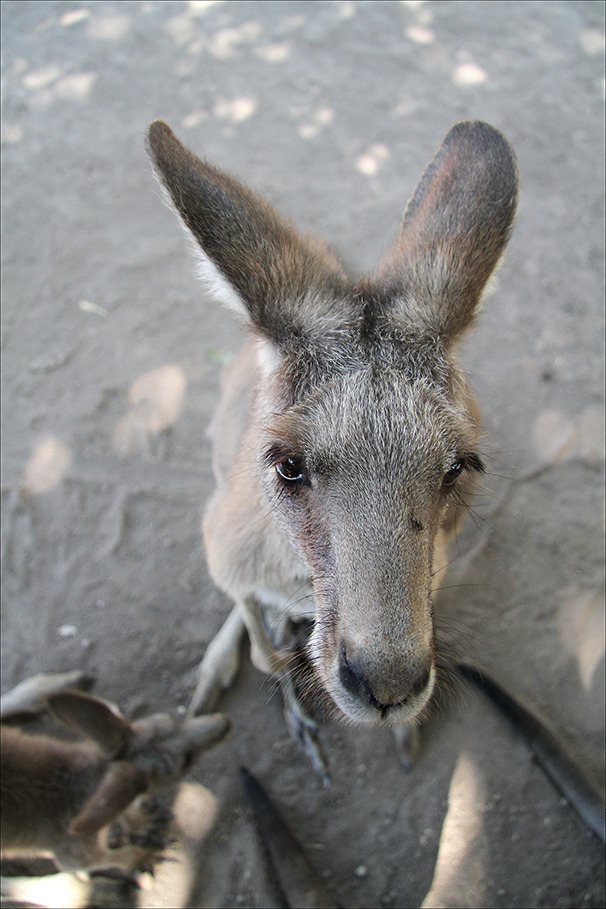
455,228
253,259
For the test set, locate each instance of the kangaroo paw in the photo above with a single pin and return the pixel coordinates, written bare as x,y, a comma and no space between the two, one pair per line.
219,665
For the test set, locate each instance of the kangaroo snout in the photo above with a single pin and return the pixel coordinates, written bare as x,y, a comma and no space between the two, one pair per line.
390,687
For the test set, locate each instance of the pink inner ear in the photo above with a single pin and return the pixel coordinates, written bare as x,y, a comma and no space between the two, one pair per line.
121,784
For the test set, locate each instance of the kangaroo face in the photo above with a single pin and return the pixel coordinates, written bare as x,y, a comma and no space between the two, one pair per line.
360,473
362,427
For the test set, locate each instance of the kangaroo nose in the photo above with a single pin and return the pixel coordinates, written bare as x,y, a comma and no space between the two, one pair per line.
382,683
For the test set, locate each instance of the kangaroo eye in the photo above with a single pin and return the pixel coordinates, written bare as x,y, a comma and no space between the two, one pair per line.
452,474
291,470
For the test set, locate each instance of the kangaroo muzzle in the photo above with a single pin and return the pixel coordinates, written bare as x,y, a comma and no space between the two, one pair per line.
383,687
377,667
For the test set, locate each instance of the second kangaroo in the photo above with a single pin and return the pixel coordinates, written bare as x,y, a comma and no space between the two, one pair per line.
346,441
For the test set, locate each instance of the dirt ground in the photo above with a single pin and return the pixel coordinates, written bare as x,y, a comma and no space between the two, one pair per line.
111,361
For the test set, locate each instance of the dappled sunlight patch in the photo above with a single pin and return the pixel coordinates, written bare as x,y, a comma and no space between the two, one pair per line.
93,308
200,7
235,110
372,159
41,78
420,34
559,437
156,400
181,29
47,466
592,41
405,106
419,31
76,86
278,52
195,809
108,28
226,42
194,119
74,16
467,74
55,891
316,121
581,627
12,133
459,873
553,433
67,631
346,9
195,48
50,84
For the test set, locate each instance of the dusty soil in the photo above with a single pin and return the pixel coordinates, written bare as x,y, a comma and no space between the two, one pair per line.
111,359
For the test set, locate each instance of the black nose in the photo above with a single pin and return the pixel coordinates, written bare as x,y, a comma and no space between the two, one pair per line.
353,681
381,689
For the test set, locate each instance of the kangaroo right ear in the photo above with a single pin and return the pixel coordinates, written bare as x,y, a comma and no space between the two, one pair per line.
252,258
94,718
455,228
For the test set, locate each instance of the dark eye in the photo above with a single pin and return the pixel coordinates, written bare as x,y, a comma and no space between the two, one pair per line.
291,470
452,474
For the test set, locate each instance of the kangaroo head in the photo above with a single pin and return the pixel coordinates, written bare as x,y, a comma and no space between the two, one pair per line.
364,428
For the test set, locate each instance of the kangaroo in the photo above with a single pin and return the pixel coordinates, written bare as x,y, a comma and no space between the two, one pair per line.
346,443
59,796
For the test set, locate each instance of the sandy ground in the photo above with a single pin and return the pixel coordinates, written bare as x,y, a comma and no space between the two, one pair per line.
111,360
